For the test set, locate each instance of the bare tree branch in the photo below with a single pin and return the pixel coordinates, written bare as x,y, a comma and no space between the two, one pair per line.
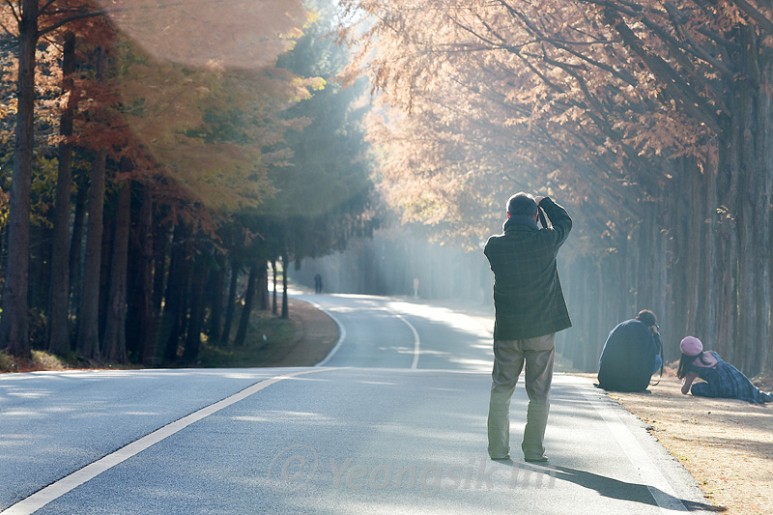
759,18
671,80
64,21
567,46
16,12
695,49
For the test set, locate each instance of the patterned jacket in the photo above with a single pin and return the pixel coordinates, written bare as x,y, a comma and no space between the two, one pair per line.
527,292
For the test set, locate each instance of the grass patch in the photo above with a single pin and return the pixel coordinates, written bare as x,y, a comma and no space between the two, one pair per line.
267,336
47,361
267,342
43,360
7,363
40,360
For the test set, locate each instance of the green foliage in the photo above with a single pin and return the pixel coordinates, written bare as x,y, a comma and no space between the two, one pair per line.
43,191
7,362
325,189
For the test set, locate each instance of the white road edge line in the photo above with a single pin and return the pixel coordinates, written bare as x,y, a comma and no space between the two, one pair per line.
659,487
79,477
341,334
416,339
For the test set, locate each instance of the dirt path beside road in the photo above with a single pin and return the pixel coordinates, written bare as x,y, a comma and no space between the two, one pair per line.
726,445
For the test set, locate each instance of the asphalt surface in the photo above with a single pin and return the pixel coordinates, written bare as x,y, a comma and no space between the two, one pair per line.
393,421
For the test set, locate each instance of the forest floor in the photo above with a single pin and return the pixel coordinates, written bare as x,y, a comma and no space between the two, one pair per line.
726,445
304,339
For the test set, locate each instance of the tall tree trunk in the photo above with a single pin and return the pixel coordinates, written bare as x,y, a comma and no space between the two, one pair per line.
14,323
88,324
141,322
76,246
88,314
148,315
755,207
686,225
727,247
249,298
285,308
765,133
108,236
59,299
196,313
263,287
231,301
162,236
216,296
694,257
39,279
708,315
161,242
172,322
114,342
274,307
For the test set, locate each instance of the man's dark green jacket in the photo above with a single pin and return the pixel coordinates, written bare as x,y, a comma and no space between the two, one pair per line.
527,293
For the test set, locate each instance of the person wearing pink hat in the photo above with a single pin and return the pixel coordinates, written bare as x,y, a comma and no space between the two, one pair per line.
720,378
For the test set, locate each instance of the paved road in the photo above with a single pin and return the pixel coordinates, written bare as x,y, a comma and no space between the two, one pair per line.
397,333
392,423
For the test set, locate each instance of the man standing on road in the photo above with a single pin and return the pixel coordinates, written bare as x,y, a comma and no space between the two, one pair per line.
530,309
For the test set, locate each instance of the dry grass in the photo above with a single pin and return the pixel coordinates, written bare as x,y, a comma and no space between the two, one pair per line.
41,360
726,445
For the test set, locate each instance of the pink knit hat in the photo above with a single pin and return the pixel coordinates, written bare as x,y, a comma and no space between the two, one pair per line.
691,346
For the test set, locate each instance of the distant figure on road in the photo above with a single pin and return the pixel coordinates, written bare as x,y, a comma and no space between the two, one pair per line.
722,380
632,353
317,283
530,309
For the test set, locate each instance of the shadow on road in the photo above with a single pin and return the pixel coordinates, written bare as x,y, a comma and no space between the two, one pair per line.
616,489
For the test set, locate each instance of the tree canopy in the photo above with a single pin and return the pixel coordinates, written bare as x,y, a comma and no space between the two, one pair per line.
648,119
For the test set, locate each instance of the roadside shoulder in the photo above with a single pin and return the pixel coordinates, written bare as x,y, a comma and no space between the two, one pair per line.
726,445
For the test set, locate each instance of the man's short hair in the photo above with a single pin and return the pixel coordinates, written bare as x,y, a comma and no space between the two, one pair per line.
647,317
521,204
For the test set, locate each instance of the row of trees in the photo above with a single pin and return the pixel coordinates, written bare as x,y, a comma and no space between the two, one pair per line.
649,120
162,155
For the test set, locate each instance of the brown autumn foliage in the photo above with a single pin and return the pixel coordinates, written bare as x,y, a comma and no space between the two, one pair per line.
645,118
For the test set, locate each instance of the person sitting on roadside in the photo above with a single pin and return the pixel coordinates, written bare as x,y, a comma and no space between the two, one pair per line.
631,354
722,380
